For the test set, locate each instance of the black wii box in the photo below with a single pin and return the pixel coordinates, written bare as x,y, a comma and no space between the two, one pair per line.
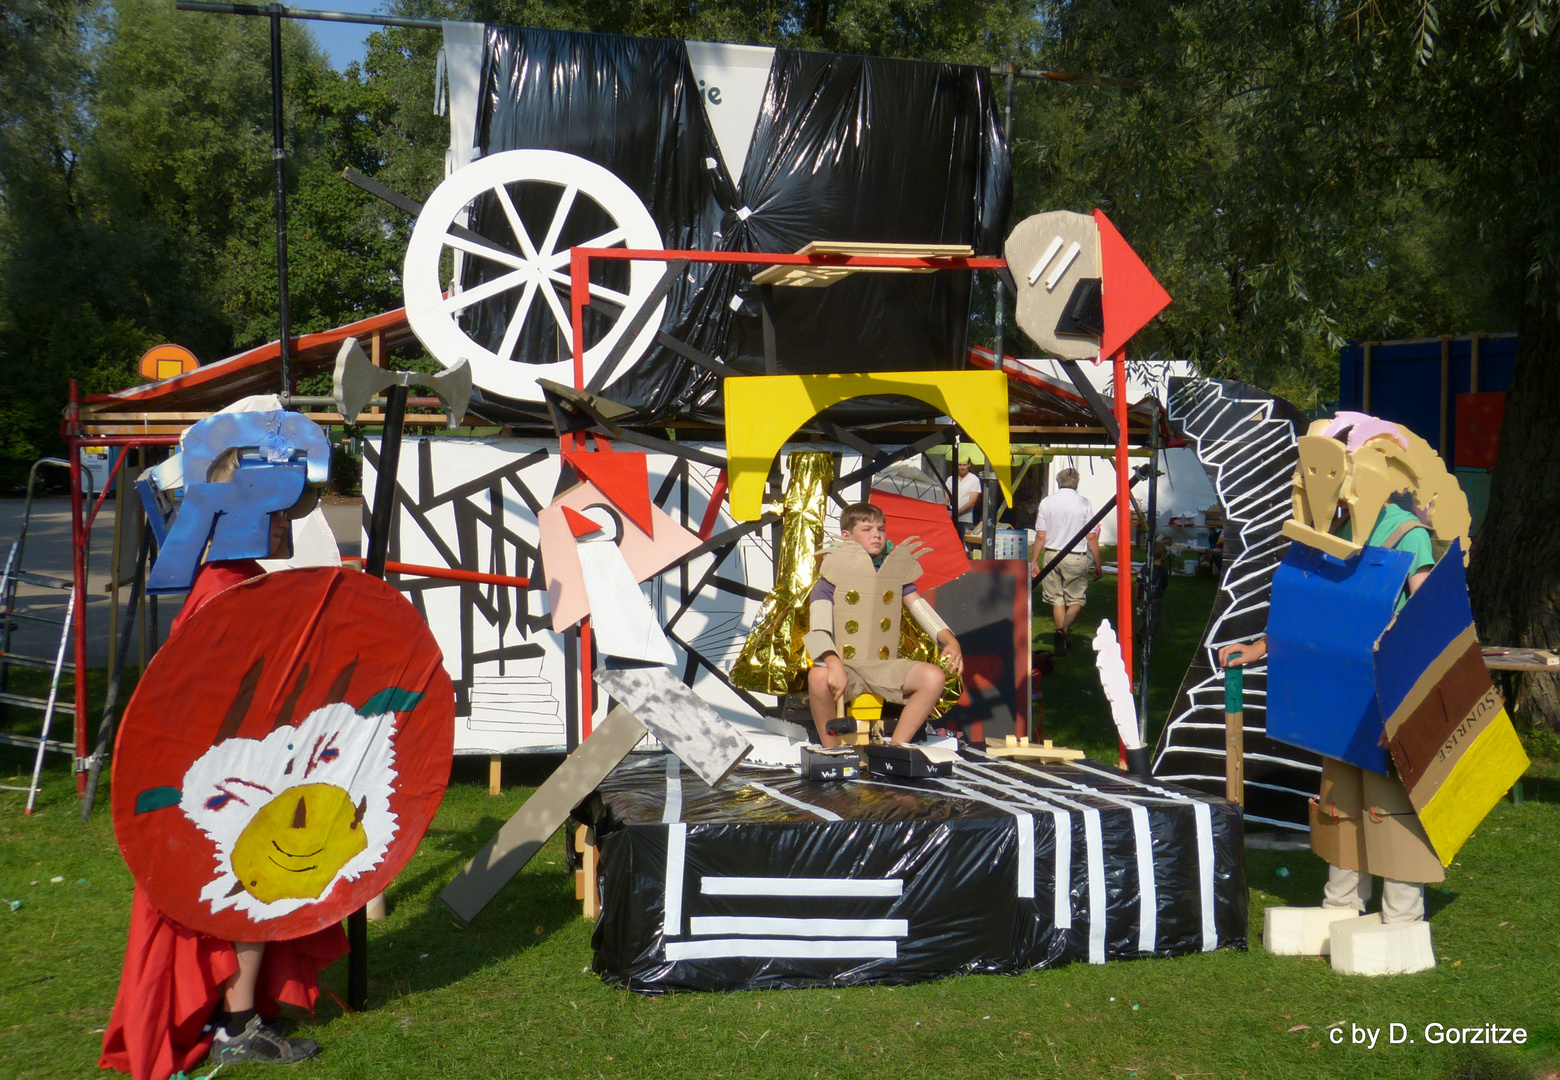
836,763
906,762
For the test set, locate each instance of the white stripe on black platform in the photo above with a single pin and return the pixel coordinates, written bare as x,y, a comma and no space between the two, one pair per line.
673,811
1148,900
826,815
1062,821
1024,823
753,925
780,948
788,886
1094,848
1202,814
676,860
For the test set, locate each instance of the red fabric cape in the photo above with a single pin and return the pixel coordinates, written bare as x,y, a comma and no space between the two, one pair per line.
172,976
172,981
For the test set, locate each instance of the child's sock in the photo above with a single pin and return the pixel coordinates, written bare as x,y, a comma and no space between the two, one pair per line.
236,1022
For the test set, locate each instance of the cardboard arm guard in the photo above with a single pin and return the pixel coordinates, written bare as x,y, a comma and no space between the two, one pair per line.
927,619
820,640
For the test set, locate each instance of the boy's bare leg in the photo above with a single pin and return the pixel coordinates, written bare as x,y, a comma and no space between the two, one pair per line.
239,993
1059,616
1073,611
820,700
923,686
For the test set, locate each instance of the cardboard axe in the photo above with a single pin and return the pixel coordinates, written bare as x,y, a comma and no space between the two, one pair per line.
357,380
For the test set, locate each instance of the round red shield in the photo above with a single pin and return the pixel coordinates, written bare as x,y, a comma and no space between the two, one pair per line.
283,754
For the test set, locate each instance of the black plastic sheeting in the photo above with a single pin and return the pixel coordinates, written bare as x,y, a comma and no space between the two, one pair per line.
952,846
846,148
1245,439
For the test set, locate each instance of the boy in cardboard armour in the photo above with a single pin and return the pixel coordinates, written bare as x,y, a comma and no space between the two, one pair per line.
864,586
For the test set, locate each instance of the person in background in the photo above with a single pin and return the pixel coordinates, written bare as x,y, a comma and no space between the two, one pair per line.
1063,515
966,496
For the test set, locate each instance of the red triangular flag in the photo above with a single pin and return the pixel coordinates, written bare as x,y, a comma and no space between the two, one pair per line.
1129,294
622,477
579,524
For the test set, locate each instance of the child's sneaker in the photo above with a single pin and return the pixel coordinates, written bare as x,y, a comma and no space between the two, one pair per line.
259,1043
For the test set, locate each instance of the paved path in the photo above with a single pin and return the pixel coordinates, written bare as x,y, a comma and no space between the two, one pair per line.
47,552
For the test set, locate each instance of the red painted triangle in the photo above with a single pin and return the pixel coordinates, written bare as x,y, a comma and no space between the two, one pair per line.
579,524
1129,294
623,478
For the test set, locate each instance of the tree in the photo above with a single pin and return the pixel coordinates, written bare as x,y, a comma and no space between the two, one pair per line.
1298,175
1491,75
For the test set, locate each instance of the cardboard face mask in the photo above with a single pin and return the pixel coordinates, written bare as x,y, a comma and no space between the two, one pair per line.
283,755
1351,465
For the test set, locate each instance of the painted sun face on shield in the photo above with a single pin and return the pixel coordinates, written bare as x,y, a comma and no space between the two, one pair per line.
297,811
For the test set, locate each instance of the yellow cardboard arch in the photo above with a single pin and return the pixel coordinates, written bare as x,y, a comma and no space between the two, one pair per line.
763,411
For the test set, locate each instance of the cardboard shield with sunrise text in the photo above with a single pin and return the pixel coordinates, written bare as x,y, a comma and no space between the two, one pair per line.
283,755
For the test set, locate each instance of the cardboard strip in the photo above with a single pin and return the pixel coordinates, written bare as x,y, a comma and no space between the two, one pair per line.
1456,650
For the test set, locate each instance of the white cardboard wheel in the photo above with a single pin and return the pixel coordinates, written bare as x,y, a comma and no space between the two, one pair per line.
537,270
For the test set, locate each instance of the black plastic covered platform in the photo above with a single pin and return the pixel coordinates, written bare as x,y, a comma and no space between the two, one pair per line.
772,881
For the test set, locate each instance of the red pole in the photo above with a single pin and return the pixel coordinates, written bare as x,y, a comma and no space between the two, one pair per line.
78,558
1123,515
1123,526
579,296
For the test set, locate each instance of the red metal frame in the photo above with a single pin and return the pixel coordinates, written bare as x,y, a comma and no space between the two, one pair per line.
80,528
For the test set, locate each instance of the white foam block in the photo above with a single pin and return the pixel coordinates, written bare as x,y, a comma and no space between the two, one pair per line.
1367,946
1300,931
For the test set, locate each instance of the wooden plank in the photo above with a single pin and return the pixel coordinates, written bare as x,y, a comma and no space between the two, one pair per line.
819,276
1021,748
1499,659
524,834
496,775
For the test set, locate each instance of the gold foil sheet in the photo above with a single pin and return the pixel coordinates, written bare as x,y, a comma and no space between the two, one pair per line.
774,661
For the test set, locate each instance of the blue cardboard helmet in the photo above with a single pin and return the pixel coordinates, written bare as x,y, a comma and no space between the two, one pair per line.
282,456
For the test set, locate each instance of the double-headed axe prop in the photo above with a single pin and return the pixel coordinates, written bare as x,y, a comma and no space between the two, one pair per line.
358,379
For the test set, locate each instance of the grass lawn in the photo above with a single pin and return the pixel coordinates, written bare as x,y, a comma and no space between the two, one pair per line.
513,996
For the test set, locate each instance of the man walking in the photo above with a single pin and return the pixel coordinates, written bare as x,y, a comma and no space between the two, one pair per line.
1062,516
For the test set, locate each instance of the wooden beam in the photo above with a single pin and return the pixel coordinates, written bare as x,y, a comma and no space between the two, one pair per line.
1473,362
1446,390
1365,381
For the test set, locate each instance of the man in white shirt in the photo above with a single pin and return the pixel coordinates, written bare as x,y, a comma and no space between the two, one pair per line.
1062,516
966,489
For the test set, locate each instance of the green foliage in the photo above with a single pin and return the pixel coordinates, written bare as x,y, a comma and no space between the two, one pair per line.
1272,163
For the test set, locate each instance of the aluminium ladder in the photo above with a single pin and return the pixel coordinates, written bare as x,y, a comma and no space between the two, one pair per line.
12,576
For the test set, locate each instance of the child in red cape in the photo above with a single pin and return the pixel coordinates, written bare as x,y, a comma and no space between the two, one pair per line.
174,978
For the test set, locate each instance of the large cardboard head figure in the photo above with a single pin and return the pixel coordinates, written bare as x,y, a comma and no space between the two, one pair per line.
283,755
1082,291
1349,467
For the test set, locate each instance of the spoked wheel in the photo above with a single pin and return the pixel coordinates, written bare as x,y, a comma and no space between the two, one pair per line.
536,205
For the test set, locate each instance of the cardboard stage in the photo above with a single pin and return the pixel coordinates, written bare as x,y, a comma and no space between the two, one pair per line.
771,881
